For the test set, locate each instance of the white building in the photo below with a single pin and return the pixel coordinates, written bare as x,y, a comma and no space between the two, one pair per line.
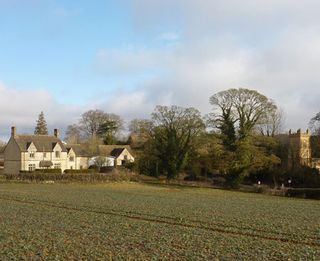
30,152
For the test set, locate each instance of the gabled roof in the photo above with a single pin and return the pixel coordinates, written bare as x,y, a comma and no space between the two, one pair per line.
117,152
107,150
43,143
79,149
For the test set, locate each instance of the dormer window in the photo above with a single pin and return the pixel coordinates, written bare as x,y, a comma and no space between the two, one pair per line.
57,153
71,158
31,154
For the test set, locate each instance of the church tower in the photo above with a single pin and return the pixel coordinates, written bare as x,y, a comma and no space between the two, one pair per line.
299,153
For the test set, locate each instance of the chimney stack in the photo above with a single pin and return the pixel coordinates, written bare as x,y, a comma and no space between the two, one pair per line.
13,132
56,133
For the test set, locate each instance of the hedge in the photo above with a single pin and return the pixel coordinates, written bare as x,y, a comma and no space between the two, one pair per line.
311,193
49,171
80,171
86,177
41,171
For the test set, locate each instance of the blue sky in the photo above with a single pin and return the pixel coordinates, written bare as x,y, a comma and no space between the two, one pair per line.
127,56
52,45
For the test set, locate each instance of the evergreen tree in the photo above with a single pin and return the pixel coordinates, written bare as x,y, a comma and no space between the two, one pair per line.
41,127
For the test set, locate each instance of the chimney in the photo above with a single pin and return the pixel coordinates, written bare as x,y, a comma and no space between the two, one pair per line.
13,132
56,133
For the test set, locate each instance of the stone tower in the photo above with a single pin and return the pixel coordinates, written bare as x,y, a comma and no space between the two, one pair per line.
299,153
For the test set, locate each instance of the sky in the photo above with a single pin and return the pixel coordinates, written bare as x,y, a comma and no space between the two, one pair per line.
127,56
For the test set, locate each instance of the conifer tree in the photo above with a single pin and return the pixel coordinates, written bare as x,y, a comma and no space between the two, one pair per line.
41,127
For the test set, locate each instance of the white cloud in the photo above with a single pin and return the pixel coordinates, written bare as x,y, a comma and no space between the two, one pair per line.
127,61
21,107
287,75
268,45
170,36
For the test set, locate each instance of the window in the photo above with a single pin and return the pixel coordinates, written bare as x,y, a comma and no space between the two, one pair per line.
57,165
32,167
44,154
31,154
71,158
71,167
57,154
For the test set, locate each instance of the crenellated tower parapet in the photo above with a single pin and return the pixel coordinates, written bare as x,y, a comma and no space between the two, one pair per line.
299,153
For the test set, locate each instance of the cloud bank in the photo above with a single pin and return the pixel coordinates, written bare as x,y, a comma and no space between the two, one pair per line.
189,50
271,46
21,108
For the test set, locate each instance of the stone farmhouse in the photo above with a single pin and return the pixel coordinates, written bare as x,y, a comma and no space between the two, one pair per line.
31,152
121,154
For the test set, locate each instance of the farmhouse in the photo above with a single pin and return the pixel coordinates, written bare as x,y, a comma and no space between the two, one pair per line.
31,152
121,154
115,155
80,156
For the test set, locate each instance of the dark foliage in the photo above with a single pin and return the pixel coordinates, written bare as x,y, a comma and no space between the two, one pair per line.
311,193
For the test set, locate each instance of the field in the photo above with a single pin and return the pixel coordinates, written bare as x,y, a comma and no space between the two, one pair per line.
136,221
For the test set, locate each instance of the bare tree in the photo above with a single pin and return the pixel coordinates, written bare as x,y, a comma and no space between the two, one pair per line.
97,122
140,126
272,123
73,134
240,109
314,124
91,121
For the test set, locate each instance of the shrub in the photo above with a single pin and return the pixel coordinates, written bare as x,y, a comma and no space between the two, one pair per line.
130,165
303,177
219,180
265,189
234,179
195,178
312,193
106,169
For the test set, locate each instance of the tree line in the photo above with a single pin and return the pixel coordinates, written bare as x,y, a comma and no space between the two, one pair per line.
235,141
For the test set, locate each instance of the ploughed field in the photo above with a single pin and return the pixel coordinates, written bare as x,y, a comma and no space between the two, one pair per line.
136,221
